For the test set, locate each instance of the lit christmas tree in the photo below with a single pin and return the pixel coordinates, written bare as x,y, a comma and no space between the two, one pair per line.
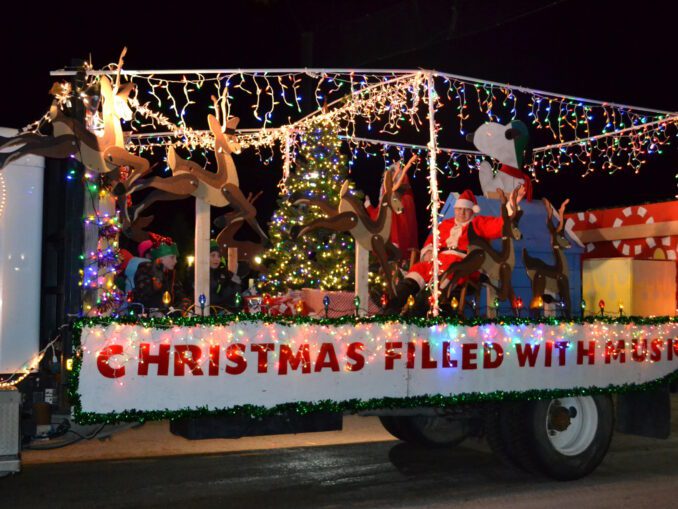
320,259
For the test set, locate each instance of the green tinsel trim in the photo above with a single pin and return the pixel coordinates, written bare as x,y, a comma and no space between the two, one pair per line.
356,405
192,321
351,405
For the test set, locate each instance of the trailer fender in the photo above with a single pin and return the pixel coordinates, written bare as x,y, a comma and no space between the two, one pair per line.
645,413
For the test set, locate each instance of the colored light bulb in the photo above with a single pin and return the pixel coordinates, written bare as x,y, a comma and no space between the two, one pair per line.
410,301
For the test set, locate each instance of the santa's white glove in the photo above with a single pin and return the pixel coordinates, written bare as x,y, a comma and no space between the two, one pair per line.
520,190
367,202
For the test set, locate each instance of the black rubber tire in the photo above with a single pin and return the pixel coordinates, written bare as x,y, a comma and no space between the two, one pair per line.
564,468
393,426
517,434
417,430
507,434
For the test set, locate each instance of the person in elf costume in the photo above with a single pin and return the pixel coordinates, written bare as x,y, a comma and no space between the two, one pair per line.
453,246
155,279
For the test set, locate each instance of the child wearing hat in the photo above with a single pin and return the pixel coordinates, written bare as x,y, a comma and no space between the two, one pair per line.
131,264
224,285
157,276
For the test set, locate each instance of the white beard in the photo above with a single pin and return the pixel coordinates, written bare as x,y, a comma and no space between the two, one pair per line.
455,234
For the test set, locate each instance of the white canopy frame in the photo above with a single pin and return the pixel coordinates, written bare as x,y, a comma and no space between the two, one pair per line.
283,135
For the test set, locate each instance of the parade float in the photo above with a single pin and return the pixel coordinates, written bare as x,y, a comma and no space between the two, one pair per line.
525,355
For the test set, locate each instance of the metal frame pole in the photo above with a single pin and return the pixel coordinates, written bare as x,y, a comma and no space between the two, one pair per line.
202,255
433,187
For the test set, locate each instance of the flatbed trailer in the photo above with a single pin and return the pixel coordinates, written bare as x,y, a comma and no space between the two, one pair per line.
545,394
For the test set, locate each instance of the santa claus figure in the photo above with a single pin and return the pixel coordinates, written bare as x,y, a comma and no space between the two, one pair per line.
453,245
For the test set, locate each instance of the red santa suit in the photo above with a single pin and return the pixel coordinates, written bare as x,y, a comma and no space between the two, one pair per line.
453,240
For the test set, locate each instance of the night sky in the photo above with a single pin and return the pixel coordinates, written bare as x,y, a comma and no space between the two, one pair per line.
601,50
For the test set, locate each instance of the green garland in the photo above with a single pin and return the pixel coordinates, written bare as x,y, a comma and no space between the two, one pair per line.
192,321
351,405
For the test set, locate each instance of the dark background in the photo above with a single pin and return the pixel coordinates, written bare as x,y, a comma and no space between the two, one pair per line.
614,51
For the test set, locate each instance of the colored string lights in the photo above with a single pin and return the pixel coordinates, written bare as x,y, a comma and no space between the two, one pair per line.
590,135
100,265
566,118
626,345
611,151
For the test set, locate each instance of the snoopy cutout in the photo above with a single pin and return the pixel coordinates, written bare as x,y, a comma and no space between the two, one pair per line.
508,145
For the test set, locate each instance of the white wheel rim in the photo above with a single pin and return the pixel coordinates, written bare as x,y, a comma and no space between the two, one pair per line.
580,432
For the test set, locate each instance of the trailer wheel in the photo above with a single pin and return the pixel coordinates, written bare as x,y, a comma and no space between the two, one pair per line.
429,431
572,435
393,426
564,438
506,433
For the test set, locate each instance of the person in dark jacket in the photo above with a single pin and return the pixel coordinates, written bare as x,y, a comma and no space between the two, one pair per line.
224,285
155,282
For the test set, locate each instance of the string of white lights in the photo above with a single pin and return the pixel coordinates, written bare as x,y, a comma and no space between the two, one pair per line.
28,367
314,72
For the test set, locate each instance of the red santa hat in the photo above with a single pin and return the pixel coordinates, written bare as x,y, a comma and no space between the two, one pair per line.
144,246
467,200
125,257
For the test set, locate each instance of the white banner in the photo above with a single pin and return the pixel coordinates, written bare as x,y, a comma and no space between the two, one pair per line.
129,367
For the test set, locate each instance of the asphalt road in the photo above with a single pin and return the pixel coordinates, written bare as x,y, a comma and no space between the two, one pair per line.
637,472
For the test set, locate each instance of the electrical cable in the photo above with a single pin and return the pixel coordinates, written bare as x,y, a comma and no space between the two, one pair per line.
78,437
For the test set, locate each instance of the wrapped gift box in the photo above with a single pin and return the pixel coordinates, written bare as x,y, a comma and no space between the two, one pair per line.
253,304
288,305
341,303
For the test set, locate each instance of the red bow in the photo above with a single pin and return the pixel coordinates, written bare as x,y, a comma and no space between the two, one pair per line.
518,174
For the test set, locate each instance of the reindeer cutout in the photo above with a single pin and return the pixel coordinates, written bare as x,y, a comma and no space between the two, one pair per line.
101,154
230,224
482,257
190,179
137,231
350,216
553,279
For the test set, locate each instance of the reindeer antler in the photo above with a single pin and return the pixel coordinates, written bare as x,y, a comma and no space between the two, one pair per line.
502,196
256,196
136,230
549,209
217,112
120,63
561,214
220,110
